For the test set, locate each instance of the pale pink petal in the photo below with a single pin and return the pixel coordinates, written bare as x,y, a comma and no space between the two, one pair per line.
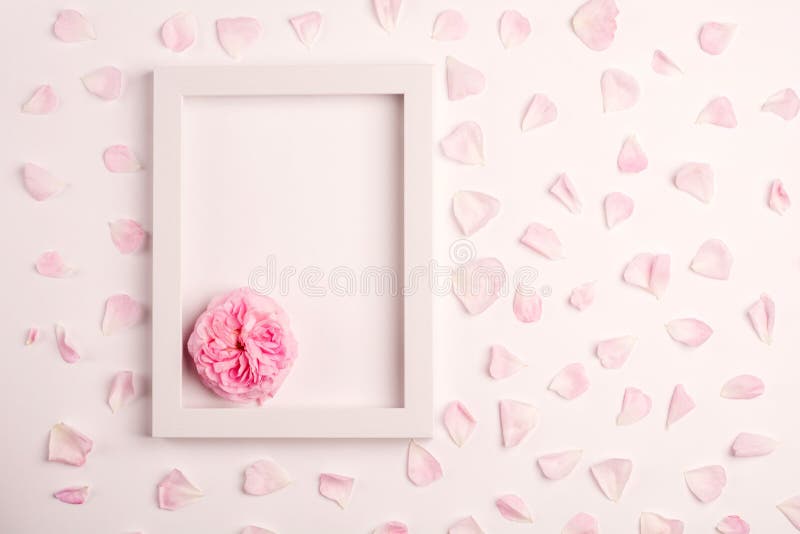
659,275
690,332
68,446
612,475
527,304
72,27
747,445
450,25
713,260
650,272
631,158
662,64
478,283
120,158
121,391
650,523
43,101
635,406
697,179
743,387
791,509
595,23
543,240
422,468
785,104
614,352
513,508
706,483
762,317
733,524
778,198
127,235
67,351
558,465
459,422
619,89
52,265
582,296
618,208
564,190
39,183
121,312
76,495
473,210
679,405
715,37
514,28
502,363
581,523
392,527
179,31
264,477
467,525
33,335
517,420
307,26
105,82
540,111
571,382
718,112
175,491
388,13
464,144
251,529
235,35
338,488
463,80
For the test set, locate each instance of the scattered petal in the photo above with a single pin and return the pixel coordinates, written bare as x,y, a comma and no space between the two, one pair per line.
52,265
632,158
478,283
514,28
463,80
581,523
43,101
235,35
121,391
450,25
747,445
459,422
502,363
762,317
595,23
392,527
733,524
791,509
697,179
713,260
39,183
264,477
564,190
635,406
120,158
679,405
778,198
715,37
388,13
650,272
706,483
68,446
175,491
650,523
718,112
618,208
543,240
614,352
121,312
690,332
251,529
179,31
582,296
127,235
467,525
785,104
571,382
743,387
72,27
422,467
338,488
540,111
33,335
620,90
76,495
558,465
105,83
664,65
307,26
513,508
67,351
473,210
464,144
517,420
527,304
612,475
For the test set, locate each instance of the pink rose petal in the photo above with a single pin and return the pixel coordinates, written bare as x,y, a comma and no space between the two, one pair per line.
338,488
662,64
467,525
543,240
650,523
571,382
595,23
264,477
72,27
251,529
733,524
679,405
43,101
503,364
52,265
636,405
713,260
127,235
464,144
459,422
785,104
513,508
743,387
422,468
179,31
75,495
762,317
619,89
388,13
611,476
527,304
307,26
747,445
697,179
618,208
690,332
632,158
791,509
33,335
392,527
564,190
718,112
450,25
235,35
473,210
540,111
650,272
558,465
514,28
39,183
463,80
582,296
175,491
706,483
120,158
614,352
121,312
121,391
105,83
478,283
517,420
67,351
581,523
68,446
715,37
778,198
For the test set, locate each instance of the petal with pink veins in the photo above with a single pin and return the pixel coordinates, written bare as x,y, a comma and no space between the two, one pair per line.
392,527
514,28
121,312
715,37
479,283
179,31
618,208
127,235
650,523
388,13
337,488
706,483
662,64
636,405
713,260
264,477
581,523
307,27
68,446
104,83
513,508
51,264
459,422
450,25
747,445
121,391
72,27
175,491
543,240
595,23
473,209
235,35
39,183
463,80
697,179
718,112
571,382
517,420
688,331
541,111
74,495
582,296
785,104
762,317
422,468
733,524
464,144
743,387
612,476
65,348
791,509
33,335
527,304
467,525
120,158
679,405
564,190
778,198
650,272
614,352
558,465
503,363
620,90
631,158
43,101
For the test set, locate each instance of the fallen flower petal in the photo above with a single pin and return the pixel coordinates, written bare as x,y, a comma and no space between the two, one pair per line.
514,28
127,235
791,509
67,351
179,31
467,525
473,210
690,332
463,80
540,111
422,468
743,387
581,523
120,158
39,183
650,523
251,529
175,491
636,406
564,190
718,112
392,527
513,508
582,296
43,101
612,475
478,283
697,179
502,363
713,260
747,445
459,422
388,13
733,524
571,382
558,465
618,208
778,198
76,495
338,488
464,144
619,89
762,317
543,240
650,272
785,104
450,25
121,391
706,483
527,304
614,352
72,27
715,37
235,35
679,405
121,312
662,64
264,477
517,420
33,335
631,158
307,26
105,83
595,23
52,265
68,446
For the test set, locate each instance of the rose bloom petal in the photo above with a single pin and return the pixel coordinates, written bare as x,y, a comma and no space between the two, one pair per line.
121,391
564,190
338,488
392,527
517,420
513,508
679,405
612,476
235,35
72,27
650,272
76,495
715,37
33,335
558,465
636,405
581,523
472,210
52,265
65,348
689,332
105,83
543,240
706,483
478,284
503,363
541,111
743,387
595,23
527,305
762,317
120,158
650,523
514,28
620,90
388,13
582,296
747,445
422,468
785,104
127,235
43,101
733,524
264,477
463,80
614,352
121,312
175,491
571,382
179,31
307,26
467,525
718,112
618,208
450,25
464,144
632,158
459,422
791,509
68,446
713,260
697,179
662,64
39,183
778,198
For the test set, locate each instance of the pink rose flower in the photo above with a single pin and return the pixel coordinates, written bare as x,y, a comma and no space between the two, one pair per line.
242,346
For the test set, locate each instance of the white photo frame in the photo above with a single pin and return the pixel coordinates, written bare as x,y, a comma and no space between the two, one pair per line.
415,417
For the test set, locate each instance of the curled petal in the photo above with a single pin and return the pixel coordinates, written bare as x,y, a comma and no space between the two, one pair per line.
517,420
620,90
581,523
618,208
392,527
33,335
527,304
76,495
52,265
179,31
612,475
43,101
68,446
175,491
422,468
614,352
582,296
540,111
743,387
650,272
718,112
747,445
713,260
543,240
478,283
690,332
388,13
121,391
67,351
571,382
450,25
467,525
679,405
127,235
564,190
662,64
502,363
235,35
514,28
338,488
105,83
120,158
706,483
791,509
733,524
785,104
72,27
463,80
762,317
513,508
631,158
473,210
39,183
715,37
464,144
595,23
264,477
307,26
650,523
697,179
635,406
459,422
252,529
778,198
558,465
121,312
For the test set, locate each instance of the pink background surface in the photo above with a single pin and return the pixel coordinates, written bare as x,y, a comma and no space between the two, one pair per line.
39,389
